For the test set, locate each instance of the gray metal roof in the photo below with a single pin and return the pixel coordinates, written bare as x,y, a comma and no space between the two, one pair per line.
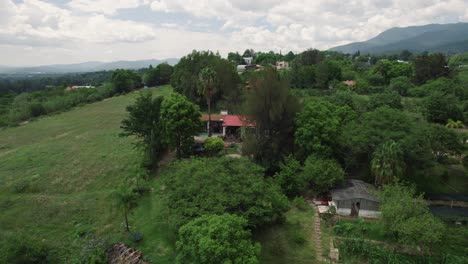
354,189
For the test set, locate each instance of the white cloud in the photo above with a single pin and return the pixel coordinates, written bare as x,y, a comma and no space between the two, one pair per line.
96,30
108,7
43,23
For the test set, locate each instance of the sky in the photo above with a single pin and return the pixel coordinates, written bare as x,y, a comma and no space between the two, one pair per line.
39,32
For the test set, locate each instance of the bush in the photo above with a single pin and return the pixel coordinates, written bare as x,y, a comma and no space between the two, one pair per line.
23,250
213,239
214,146
136,236
21,186
301,203
217,185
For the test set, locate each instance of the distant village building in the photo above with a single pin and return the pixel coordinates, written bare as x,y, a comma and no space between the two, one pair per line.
248,60
75,87
355,198
282,65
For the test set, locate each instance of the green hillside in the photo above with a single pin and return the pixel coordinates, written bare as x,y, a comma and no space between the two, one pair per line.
57,175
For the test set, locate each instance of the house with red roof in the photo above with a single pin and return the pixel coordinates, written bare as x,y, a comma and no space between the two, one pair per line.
225,125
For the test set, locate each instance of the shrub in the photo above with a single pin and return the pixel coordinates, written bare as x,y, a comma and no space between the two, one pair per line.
301,203
20,186
214,146
213,239
136,236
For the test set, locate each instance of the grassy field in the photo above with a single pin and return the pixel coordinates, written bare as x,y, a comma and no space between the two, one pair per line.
57,175
57,178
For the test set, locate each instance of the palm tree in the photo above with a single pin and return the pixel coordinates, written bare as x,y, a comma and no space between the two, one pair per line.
125,200
454,124
387,162
208,81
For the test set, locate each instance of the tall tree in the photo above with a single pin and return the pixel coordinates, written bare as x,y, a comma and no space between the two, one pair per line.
387,163
430,66
272,107
144,122
181,120
208,88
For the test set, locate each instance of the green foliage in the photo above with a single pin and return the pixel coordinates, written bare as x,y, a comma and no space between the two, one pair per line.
213,239
24,250
214,146
388,98
158,76
326,72
186,79
392,69
348,98
301,203
406,216
430,66
272,107
125,81
387,163
144,122
444,141
318,125
290,177
218,185
208,89
322,174
440,107
125,200
401,84
181,120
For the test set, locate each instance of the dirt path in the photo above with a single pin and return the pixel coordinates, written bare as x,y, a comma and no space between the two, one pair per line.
317,234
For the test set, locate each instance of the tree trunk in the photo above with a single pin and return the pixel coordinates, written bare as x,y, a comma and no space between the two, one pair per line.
126,221
209,116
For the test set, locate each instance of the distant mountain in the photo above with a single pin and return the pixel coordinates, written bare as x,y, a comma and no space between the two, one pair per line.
90,66
447,38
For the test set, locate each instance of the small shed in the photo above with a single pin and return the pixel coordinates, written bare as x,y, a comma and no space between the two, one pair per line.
355,198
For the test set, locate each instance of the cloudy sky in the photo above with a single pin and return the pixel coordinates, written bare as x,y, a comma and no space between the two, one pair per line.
38,32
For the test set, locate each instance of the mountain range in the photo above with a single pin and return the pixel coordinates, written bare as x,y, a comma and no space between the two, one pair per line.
446,38
90,66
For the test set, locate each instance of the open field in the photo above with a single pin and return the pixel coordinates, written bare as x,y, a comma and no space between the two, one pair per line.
57,175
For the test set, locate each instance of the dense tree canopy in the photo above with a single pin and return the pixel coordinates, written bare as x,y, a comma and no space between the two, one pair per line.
430,66
181,120
198,187
158,76
125,81
186,79
214,239
321,173
144,122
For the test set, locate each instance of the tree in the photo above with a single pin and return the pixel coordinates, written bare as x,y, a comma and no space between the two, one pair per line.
214,146
392,69
181,120
272,107
197,187
144,122
321,174
405,55
406,216
444,142
125,81
401,85
388,98
318,125
213,239
20,249
159,76
125,200
327,71
208,89
387,163
186,79
235,58
430,66
439,108
290,178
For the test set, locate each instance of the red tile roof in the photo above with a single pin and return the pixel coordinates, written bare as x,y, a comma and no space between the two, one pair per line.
236,121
